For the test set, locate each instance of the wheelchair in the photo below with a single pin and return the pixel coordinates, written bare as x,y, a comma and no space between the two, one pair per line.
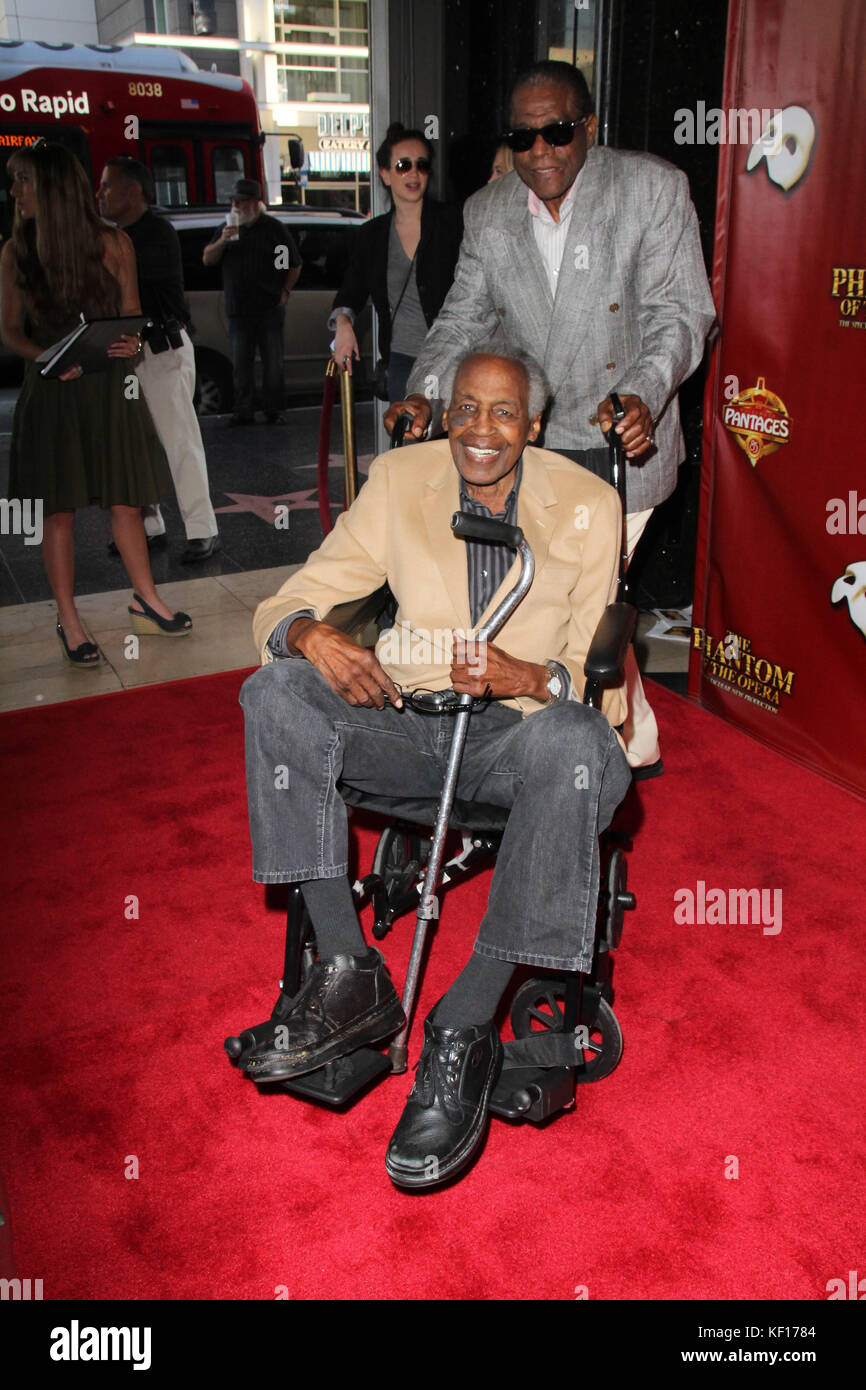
565,1030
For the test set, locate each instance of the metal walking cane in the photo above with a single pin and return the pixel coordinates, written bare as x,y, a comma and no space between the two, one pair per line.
447,701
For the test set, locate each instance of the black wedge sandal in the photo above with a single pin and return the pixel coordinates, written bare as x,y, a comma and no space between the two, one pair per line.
85,655
147,623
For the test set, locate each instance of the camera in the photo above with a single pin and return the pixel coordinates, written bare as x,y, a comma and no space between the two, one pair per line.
162,336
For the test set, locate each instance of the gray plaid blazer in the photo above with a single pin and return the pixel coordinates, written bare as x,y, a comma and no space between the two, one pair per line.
631,312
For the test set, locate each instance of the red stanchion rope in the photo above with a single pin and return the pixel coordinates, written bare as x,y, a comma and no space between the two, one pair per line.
328,395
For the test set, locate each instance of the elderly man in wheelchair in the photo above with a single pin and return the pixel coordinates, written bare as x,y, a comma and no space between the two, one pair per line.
328,721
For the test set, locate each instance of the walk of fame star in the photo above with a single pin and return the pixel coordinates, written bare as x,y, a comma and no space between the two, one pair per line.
265,507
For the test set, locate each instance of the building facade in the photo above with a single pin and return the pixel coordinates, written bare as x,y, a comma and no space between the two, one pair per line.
39,20
308,64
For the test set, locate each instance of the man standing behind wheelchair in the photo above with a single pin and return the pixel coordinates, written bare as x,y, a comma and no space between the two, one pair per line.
342,715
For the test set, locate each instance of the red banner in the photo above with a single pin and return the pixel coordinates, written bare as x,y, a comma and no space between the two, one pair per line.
779,642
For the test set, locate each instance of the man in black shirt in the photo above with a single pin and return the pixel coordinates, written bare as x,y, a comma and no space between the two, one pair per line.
167,370
260,264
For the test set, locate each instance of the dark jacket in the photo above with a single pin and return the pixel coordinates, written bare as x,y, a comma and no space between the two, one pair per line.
160,268
435,260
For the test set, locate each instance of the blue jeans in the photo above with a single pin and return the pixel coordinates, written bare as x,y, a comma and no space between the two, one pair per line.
265,332
560,770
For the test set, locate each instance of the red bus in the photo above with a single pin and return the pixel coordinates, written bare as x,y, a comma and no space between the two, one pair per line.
198,132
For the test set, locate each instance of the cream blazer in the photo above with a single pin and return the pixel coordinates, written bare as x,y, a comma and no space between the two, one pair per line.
399,530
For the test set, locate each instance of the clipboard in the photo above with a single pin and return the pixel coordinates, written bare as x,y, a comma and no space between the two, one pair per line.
87,345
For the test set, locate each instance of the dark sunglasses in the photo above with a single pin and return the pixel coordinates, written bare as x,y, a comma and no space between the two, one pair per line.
404,165
559,133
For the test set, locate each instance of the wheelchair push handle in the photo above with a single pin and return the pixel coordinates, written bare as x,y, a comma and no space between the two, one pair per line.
484,528
398,434
618,480
611,437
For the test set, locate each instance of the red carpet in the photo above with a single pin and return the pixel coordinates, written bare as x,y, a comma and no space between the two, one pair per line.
743,1049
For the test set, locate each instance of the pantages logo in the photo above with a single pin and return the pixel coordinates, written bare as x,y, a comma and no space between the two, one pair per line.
759,421
730,663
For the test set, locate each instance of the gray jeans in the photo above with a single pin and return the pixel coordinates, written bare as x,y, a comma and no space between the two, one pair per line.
560,770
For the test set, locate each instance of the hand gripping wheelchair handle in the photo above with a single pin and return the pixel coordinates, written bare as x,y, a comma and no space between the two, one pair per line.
484,528
618,480
398,434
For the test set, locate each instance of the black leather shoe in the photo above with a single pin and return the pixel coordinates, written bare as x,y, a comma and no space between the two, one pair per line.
445,1119
200,550
275,417
345,1003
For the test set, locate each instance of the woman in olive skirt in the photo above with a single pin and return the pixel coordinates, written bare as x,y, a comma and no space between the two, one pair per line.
81,439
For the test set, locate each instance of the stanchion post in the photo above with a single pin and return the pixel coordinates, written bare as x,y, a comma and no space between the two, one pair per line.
347,403
325,445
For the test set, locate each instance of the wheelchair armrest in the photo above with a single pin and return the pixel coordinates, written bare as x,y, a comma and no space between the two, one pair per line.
356,615
610,642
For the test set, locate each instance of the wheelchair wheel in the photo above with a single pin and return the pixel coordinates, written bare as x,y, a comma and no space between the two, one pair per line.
616,901
398,864
539,1005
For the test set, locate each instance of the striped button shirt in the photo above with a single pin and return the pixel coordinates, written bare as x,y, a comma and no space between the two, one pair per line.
488,563
550,236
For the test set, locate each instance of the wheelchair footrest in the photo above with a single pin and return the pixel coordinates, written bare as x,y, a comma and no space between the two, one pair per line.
533,1093
544,1049
341,1080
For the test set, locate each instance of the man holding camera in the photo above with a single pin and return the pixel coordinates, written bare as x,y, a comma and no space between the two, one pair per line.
260,264
167,369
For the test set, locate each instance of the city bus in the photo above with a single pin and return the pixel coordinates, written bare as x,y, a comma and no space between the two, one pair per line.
198,132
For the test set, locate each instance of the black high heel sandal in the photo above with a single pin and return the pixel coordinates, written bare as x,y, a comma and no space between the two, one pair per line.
147,623
85,654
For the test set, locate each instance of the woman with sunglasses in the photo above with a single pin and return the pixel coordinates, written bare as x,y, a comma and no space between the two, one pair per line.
404,261
79,439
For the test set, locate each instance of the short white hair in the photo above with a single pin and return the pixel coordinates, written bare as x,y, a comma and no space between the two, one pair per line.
538,389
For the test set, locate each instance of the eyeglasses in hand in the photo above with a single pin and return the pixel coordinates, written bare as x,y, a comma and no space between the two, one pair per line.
440,701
